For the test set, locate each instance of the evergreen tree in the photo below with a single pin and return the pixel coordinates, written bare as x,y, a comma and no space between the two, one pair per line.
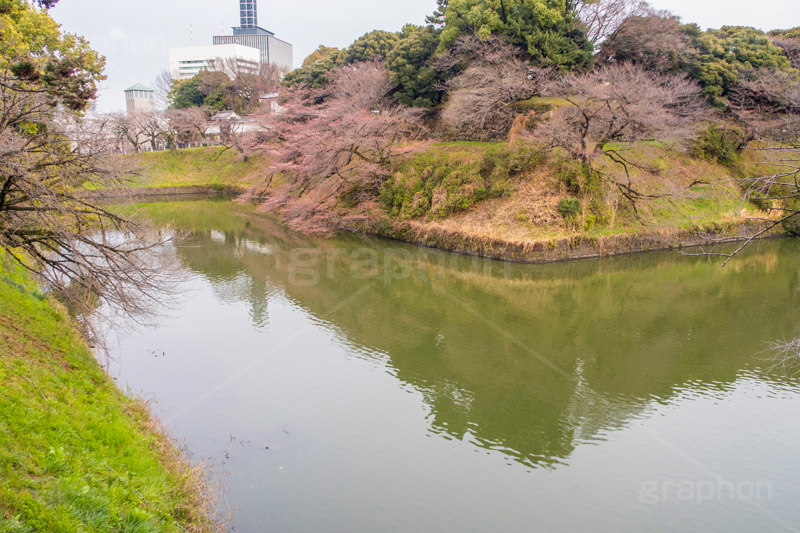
40,59
547,30
315,69
437,18
410,70
375,44
720,55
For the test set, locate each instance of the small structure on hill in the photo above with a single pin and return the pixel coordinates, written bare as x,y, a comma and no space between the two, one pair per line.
140,100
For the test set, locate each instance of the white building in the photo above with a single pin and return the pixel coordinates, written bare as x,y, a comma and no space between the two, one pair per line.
228,123
186,62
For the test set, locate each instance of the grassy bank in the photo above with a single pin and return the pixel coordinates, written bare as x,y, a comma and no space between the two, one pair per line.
526,203
75,453
502,200
213,166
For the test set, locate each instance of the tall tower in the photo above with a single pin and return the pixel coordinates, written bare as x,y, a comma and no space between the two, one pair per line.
140,100
273,50
248,11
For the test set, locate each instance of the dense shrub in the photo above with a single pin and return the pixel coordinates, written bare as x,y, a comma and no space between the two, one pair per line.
759,200
315,69
792,225
586,194
714,58
793,33
373,45
569,207
721,143
546,30
789,42
503,162
577,178
570,174
439,182
719,56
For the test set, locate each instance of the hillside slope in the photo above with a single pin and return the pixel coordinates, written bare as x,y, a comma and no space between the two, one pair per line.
517,202
212,167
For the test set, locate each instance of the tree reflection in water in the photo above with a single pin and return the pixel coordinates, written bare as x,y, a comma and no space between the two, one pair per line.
526,359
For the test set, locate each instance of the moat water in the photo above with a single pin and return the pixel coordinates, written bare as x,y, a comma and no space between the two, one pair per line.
357,384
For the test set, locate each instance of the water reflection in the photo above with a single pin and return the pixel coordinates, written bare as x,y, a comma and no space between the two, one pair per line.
527,360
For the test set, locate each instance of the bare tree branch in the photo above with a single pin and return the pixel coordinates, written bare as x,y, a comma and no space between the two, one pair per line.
88,255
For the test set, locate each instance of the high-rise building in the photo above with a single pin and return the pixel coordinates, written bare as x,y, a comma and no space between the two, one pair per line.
140,100
248,10
273,50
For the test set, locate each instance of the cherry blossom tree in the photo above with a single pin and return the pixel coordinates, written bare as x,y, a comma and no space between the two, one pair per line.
327,142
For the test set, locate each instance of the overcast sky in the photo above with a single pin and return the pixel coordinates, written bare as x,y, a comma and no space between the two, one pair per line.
134,35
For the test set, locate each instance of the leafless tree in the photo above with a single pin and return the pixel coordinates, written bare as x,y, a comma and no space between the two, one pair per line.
128,132
785,356
187,125
790,47
360,87
766,90
157,130
772,127
779,187
166,129
653,41
482,98
602,18
163,86
95,128
766,104
233,136
49,224
619,103
153,127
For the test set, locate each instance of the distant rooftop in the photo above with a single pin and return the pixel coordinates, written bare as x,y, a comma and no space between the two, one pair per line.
251,30
139,87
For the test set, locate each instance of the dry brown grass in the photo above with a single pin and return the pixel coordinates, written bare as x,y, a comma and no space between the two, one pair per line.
529,213
694,195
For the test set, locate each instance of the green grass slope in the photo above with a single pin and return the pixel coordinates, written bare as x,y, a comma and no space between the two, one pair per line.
75,453
212,166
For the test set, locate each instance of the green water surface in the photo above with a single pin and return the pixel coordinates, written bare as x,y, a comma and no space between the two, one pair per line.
357,384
